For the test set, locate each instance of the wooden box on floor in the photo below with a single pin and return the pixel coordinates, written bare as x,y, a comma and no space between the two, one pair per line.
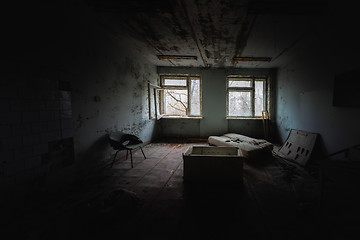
207,163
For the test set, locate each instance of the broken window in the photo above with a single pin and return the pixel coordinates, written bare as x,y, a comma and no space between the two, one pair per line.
247,97
180,96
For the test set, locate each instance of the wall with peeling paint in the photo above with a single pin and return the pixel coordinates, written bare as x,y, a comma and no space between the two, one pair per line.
213,120
115,98
62,91
306,84
110,94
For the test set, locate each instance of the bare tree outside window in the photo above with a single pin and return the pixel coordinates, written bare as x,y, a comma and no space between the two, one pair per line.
176,102
181,96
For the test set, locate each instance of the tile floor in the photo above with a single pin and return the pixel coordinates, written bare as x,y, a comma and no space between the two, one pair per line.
151,201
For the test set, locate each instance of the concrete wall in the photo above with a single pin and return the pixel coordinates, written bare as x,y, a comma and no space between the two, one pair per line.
214,120
66,84
306,83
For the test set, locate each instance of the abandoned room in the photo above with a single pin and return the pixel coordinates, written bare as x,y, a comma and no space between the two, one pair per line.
183,119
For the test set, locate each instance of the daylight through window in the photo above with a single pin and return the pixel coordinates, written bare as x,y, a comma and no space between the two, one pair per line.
180,96
247,97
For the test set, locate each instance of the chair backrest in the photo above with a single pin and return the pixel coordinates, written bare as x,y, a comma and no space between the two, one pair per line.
116,140
116,136
119,140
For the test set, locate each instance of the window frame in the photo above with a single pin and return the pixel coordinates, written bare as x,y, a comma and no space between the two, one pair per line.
251,89
188,78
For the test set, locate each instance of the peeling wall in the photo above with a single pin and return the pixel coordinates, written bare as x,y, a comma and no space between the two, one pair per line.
66,87
306,83
110,94
117,102
213,120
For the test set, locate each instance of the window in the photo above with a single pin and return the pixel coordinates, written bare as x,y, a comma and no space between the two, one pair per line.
180,96
247,97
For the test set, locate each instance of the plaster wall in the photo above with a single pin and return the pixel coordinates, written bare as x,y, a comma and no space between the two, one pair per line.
109,88
306,83
69,84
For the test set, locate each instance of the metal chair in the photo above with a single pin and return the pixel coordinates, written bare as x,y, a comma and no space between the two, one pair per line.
121,141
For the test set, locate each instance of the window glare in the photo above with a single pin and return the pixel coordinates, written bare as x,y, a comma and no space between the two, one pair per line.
246,96
239,104
174,82
239,83
195,102
259,98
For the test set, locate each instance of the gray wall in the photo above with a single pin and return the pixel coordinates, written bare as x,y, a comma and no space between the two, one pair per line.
305,83
64,87
214,120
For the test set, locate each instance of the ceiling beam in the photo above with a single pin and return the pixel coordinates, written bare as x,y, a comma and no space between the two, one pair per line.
194,35
176,57
252,59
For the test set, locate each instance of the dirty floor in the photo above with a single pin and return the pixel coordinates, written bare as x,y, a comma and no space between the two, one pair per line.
151,201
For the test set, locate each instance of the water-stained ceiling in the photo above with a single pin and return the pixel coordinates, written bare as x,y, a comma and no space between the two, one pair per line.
213,31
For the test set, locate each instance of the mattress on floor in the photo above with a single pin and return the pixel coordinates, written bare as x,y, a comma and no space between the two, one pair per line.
249,147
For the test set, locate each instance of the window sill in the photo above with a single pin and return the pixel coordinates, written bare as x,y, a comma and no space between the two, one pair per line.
243,118
181,117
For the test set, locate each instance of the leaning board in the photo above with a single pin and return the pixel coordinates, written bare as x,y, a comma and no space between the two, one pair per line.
298,146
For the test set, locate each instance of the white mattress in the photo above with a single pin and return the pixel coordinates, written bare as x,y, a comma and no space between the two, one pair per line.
250,147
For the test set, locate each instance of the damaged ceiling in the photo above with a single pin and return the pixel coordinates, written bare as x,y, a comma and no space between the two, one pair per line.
211,32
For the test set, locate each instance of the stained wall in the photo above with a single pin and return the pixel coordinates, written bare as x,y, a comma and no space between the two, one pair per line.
66,84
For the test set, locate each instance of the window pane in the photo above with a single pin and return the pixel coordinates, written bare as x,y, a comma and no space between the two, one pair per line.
174,82
259,98
176,102
239,104
195,102
239,83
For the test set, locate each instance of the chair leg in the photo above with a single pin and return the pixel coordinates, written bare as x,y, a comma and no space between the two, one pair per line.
131,160
127,152
142,152
114,158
